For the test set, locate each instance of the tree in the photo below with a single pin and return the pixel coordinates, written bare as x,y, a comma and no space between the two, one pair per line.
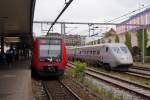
117,39
128,41
139,36
107,34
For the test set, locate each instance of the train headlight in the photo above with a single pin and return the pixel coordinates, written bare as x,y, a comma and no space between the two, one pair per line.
50,60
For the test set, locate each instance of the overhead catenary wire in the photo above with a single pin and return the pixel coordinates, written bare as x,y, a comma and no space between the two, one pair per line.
67,5
127,14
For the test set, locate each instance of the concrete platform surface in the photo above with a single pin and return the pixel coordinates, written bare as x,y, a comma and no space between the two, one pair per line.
15,84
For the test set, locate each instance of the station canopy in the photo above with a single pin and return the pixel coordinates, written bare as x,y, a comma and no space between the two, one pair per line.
16,17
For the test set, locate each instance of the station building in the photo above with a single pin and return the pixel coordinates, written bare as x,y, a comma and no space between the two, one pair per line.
134,22
70,40
131,26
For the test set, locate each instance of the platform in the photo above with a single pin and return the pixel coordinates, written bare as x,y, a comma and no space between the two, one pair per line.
15,81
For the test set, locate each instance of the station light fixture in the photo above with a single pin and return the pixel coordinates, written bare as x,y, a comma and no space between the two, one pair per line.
12,39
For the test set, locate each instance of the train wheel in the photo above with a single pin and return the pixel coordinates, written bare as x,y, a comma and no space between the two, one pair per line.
107,67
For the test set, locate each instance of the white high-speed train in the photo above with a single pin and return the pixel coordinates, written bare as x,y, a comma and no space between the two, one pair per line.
112,56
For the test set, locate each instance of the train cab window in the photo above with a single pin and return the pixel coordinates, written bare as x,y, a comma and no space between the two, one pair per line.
116,50
50,49
107,49
124,49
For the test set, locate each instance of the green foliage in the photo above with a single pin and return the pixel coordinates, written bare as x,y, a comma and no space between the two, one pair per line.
120,97
79,69
71,72
128,41
117,39
79,73
107,34
148,51
98,89
99,41
139,36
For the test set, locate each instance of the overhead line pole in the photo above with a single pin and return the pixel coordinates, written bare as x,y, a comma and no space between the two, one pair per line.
67,5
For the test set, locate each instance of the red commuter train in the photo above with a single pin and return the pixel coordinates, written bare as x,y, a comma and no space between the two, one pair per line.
49,56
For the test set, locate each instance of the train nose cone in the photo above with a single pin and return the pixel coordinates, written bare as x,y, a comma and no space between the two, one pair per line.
123,58
126,59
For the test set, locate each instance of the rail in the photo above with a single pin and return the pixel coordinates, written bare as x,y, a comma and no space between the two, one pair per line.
142,90
57,90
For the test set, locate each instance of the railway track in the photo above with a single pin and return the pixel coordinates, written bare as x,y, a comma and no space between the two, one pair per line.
137,72
142,90
57,90
138,75
140,70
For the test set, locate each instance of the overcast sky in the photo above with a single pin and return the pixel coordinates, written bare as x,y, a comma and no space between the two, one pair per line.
84,10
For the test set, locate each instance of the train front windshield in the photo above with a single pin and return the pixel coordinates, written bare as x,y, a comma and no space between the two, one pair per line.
120,50
50,49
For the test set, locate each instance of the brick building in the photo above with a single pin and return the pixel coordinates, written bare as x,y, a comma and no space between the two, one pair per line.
70,40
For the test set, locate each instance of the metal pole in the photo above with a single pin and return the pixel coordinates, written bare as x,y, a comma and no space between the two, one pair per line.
143,45
41,27
63,30
2,35
2,44
93,29
89,30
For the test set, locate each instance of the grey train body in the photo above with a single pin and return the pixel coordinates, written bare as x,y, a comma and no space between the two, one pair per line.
110,55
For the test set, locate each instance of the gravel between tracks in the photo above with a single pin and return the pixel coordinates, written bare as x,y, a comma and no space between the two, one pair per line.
81,90
133,98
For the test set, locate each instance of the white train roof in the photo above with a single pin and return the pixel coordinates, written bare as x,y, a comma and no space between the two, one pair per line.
98,45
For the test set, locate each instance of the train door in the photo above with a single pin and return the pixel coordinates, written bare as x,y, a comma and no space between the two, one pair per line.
106,54
99,56
103,54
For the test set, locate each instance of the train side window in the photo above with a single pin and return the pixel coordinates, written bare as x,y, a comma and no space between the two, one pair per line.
107,49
